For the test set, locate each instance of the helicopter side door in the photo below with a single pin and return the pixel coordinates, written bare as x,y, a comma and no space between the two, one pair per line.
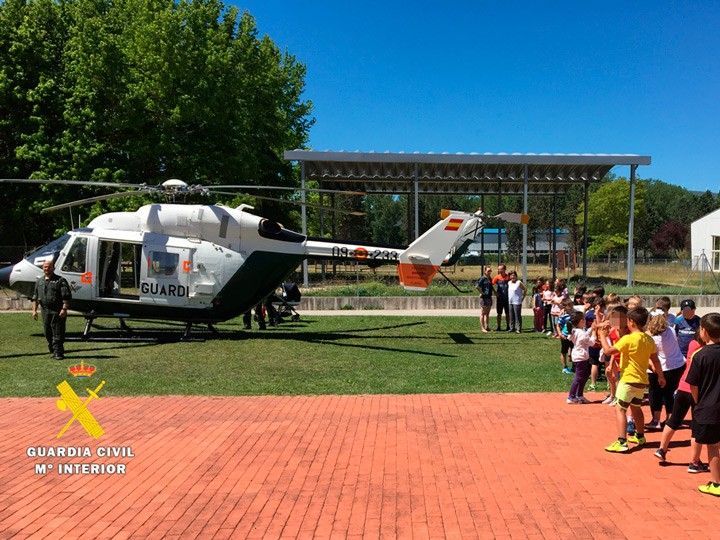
77,266
164,274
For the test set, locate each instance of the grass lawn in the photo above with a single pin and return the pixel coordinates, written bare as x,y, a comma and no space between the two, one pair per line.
318,355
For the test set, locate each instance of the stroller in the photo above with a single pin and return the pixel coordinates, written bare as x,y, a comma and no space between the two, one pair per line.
286,300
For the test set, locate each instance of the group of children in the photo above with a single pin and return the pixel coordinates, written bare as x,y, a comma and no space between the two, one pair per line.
671,361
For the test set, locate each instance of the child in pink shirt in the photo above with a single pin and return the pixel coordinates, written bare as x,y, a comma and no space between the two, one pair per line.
683,402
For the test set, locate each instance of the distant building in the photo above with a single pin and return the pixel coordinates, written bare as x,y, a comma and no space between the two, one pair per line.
705,238
538,243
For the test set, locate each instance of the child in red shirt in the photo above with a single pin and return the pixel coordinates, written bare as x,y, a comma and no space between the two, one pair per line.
683,402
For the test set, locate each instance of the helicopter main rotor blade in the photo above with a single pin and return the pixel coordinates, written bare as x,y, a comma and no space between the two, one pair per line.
298,203
90,200
284,188
67,182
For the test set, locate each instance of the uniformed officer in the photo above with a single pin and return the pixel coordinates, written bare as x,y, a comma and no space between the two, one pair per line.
52,293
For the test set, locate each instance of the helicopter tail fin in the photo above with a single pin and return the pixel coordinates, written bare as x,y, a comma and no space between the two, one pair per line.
422,259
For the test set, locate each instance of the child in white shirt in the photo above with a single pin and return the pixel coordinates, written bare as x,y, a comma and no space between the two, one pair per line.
582,339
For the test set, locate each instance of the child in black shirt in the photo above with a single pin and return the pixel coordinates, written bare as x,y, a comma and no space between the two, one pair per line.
704,381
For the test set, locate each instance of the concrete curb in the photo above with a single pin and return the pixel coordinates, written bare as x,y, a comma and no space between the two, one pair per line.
389,304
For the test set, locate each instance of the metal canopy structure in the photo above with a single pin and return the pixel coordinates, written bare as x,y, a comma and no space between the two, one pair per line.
456,173
416,173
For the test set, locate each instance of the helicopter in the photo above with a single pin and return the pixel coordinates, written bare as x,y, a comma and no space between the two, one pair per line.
205,264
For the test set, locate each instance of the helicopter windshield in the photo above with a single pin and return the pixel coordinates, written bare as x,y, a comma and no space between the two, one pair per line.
48,252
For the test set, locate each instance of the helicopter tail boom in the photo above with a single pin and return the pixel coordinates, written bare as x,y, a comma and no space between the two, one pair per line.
441,245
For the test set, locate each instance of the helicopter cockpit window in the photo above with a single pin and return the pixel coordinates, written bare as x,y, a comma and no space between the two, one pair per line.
75,259
162,263
48,252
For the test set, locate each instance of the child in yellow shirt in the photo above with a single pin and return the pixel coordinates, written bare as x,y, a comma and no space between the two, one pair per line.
637,351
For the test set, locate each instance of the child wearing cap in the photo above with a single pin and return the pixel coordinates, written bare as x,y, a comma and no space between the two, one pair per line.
704,381
686,325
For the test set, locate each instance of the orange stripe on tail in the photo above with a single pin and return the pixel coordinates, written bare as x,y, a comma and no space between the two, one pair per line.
416,275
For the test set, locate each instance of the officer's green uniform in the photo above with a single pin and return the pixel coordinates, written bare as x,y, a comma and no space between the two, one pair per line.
51,294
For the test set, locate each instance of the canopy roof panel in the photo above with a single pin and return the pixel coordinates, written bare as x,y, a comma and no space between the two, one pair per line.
388,172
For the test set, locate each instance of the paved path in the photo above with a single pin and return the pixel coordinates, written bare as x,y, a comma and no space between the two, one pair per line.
461,465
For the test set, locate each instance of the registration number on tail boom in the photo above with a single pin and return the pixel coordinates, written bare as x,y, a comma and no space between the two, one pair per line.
362,254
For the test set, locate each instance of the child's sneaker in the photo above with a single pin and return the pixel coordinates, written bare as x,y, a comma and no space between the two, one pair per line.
636,438
630,427
660,454
698,467
567,371
608,400
583,400
617,446
653,426
613,402
711,488
571,401
592,387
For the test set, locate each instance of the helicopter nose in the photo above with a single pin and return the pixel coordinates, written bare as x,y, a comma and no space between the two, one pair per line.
5,276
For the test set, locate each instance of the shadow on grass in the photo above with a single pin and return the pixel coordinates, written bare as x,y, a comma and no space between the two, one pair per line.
156,336
78,353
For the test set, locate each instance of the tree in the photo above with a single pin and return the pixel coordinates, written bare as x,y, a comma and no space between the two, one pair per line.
139,91
671,238
387,218
663,202
703,204
609,215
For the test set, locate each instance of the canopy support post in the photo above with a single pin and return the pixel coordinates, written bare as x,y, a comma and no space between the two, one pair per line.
585,228
322,232
416,202
499,210
482,238
631,230
303,213
333,228
553,237
525,227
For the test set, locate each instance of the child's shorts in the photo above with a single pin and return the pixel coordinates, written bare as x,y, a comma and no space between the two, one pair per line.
565,345
627,394
706,433
595,356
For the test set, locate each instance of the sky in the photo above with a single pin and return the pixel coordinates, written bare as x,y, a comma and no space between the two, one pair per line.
568,77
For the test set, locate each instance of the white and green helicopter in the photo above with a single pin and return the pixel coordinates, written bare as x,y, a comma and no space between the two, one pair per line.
203,264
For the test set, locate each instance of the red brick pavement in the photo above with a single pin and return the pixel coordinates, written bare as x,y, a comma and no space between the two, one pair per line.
463,465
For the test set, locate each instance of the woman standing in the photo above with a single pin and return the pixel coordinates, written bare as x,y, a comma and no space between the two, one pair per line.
516,293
